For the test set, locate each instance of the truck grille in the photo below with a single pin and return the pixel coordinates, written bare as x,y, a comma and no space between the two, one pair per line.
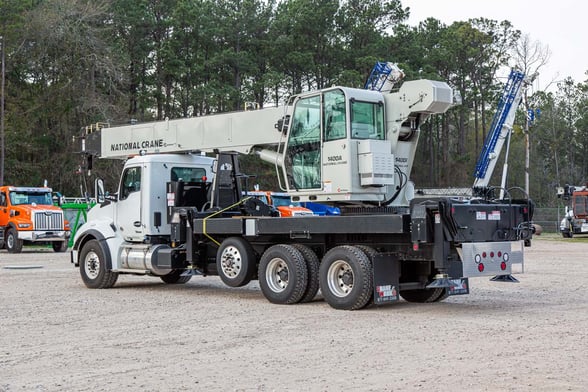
48,220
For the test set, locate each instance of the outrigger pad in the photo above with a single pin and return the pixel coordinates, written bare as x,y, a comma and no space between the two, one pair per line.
440,283
504,278
454,286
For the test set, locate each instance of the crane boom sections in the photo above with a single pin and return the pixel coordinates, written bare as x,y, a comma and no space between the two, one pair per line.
223,131
500,128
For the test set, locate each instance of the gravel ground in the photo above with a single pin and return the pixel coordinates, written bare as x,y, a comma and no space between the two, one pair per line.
143,335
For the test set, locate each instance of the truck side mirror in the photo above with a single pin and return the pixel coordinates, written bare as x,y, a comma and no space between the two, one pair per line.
99,190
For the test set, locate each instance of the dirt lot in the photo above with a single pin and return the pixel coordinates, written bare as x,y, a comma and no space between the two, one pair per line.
57,335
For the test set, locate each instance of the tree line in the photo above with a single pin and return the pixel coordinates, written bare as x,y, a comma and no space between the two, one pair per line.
70,63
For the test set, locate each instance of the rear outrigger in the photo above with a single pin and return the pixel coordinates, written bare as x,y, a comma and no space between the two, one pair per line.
179,212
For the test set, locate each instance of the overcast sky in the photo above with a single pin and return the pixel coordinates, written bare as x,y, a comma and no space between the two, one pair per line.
561,25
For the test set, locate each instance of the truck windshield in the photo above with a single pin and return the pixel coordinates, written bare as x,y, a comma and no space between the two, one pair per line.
285,201
580,205
24,197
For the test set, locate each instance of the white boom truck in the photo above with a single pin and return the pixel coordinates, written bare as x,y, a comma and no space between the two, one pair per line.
179,212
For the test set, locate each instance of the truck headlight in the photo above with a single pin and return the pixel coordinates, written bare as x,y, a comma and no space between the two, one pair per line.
24,225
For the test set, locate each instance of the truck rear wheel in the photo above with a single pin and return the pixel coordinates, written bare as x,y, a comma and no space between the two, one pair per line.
425,295
235,262
346,278
59,246
371,254
176,277
13,244
283,276
312,272
94,267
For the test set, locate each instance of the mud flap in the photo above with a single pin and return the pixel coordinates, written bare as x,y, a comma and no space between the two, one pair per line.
459,286
386,278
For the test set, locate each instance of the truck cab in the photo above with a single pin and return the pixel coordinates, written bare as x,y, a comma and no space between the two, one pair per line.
27,214
575,220
133,224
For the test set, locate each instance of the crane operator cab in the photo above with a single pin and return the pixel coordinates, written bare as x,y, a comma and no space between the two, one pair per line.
337,147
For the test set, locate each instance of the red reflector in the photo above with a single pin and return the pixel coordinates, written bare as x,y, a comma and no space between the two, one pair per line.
499,254
481,267
204,178
524,210
415,246
503,266
484,254
452,210
491,254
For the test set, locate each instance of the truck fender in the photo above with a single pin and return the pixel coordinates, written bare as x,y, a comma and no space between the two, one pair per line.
91,234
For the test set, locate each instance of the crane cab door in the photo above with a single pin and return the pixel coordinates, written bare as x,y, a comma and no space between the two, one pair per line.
129,205
303,163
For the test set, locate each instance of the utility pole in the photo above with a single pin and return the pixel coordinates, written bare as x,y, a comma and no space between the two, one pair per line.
527,144
2,143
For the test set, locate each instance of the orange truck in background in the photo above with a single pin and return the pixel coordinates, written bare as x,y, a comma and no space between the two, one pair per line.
27,214
282,202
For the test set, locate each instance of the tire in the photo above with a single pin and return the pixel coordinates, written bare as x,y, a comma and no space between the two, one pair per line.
571,232
425,295
59,246
283,276
13,244
312,272
176,277
346,278
371,254
235,262
94,268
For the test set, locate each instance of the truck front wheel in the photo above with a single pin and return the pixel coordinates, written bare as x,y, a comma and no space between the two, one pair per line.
13,244
346,278
59,246
94,268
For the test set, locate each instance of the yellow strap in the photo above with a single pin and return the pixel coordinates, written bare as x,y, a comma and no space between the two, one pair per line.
216,213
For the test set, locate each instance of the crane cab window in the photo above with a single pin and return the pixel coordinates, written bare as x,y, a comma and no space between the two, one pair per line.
335,115
131,182
367,120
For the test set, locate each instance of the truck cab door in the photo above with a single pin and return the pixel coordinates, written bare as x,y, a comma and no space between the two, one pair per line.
4,210
129,205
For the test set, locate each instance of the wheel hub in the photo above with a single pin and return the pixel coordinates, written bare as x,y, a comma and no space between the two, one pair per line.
276,275
92,265
283,274
340,278
231,261
347,278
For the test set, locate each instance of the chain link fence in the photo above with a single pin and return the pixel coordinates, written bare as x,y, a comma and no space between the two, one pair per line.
548,218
